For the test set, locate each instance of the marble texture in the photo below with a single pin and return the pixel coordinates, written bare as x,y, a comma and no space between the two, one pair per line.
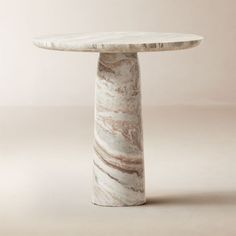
118,161
119,42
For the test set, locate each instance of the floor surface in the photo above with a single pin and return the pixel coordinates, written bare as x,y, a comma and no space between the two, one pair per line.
46,165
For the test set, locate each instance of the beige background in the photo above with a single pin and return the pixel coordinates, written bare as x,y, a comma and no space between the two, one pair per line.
201,76
46,152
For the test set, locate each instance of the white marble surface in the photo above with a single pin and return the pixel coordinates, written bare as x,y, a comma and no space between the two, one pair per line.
119,41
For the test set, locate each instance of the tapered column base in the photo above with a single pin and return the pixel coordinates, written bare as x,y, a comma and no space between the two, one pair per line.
118,166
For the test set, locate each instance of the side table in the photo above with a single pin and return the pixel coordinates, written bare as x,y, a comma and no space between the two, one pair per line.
118,164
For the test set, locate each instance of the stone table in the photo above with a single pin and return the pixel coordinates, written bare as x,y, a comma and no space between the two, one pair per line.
118,164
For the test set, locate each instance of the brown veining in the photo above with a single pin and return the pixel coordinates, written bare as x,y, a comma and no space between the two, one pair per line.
120,163
129,130
117,180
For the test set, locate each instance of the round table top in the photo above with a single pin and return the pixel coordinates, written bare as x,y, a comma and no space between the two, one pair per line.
119,42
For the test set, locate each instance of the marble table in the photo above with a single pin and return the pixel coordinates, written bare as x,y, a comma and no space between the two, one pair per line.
118,163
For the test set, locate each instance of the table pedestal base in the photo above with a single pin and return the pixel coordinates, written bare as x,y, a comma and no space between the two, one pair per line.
118,170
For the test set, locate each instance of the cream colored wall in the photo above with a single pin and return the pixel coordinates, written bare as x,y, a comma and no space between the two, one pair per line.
201,76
